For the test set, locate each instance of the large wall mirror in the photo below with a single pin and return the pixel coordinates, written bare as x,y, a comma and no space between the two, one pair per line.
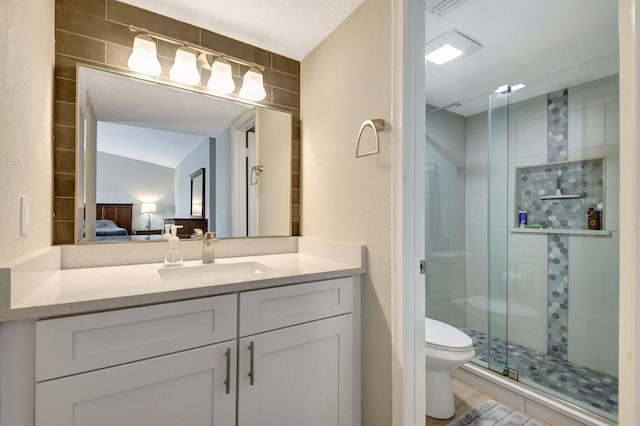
140,144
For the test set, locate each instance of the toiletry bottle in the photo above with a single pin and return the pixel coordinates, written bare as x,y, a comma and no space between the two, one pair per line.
174,255
593,219
522,217
167,231
599,210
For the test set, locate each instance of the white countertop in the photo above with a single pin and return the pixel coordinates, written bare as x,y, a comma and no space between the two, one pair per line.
72,291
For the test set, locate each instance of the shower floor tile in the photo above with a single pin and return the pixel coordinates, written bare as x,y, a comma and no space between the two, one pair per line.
591,389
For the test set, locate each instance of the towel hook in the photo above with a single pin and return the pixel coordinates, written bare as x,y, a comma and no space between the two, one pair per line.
377,125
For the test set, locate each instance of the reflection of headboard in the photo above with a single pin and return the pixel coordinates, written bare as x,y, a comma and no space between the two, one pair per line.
121,214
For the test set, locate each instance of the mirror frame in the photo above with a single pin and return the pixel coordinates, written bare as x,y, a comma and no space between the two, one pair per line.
198,178
180,86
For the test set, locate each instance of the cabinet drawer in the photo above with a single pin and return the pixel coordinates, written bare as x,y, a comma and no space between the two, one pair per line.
268,309
81,343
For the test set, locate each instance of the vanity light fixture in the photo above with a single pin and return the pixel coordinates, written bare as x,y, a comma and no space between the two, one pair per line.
252,86
203,61
184,69
448,46
221,79
189,59
144,58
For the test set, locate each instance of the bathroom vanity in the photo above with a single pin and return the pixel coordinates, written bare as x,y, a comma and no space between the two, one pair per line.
269,339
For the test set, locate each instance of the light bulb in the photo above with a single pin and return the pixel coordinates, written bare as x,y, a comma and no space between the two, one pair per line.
143,58
184,69
252,86
221,80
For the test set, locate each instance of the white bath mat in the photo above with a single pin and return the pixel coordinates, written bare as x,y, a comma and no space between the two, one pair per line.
490,413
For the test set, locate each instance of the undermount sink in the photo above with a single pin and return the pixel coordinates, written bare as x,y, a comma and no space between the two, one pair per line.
228,271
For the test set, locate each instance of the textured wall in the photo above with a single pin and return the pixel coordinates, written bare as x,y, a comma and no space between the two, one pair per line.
96,32
344,81
26,84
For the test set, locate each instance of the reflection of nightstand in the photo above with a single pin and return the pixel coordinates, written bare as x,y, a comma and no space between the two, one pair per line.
147,232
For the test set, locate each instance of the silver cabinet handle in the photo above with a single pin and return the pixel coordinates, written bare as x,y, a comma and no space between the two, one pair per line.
227,382
251,372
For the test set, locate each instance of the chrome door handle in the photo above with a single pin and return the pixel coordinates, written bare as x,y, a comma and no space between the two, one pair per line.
227,382
251,372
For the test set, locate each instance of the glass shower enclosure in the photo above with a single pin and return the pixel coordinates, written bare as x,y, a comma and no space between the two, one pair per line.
538,298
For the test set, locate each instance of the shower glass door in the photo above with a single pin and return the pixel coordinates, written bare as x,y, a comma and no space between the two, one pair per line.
497,219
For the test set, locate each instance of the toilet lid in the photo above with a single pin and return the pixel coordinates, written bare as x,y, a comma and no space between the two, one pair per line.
437,333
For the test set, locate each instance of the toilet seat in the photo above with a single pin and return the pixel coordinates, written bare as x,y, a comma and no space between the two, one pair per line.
439,335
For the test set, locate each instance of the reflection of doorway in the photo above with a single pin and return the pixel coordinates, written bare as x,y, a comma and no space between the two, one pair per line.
261,156
251,173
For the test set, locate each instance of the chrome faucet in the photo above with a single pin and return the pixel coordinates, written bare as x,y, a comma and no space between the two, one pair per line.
208,252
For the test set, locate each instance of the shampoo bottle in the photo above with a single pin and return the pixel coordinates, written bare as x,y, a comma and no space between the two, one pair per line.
173,257
522,217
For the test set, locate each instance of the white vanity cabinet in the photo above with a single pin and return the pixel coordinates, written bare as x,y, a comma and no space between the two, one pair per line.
154,365
285,356
296,355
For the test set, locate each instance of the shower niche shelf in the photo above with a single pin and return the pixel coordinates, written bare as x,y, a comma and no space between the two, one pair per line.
557,196
589,232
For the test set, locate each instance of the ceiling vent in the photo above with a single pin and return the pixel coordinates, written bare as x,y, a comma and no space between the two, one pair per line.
442,7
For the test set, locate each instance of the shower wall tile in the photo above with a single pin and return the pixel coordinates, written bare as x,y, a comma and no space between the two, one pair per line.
443,274
527,317
499,210
593,93
445,147
447,306
527,110
477,145
447,121
528,248
476,210
476,179
595,254
587,127
531,138
612,123
612,212
444,178
593,321
557,126
477,123
612,161
558,296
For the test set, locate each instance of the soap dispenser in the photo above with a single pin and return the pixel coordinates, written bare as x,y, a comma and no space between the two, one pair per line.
173,257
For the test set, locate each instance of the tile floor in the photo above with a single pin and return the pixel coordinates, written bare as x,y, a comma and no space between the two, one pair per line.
590,389
466,397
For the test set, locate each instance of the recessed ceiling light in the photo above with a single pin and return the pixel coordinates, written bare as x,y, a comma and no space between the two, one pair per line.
449,46
517,87
443,54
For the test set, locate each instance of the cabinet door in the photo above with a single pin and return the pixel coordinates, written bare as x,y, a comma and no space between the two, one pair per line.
299,375
185,388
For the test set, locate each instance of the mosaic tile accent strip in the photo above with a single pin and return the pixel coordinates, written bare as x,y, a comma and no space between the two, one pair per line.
558,297
590,389
558,126
584,178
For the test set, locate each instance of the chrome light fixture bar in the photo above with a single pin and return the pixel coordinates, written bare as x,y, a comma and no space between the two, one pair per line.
189,59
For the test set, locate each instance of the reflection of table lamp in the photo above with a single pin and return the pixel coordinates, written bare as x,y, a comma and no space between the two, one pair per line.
148,208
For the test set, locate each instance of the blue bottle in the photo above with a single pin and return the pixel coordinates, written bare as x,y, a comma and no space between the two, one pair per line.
522,217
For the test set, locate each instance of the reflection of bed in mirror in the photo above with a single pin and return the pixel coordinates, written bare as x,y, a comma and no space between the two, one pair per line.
113,221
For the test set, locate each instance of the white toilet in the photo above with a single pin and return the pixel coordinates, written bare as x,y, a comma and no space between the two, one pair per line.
446,348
